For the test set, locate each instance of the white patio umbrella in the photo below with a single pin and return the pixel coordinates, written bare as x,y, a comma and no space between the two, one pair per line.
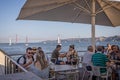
99,12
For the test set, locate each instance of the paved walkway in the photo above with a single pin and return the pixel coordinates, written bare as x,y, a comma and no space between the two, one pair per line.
20,76
29,75
17,76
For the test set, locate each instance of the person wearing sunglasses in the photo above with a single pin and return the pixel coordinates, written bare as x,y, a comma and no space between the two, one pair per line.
26,59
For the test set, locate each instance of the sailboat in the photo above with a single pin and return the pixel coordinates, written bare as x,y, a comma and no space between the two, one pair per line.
59,41
26,44
10,42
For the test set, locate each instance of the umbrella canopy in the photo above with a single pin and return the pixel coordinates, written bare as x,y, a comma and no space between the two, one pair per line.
100,12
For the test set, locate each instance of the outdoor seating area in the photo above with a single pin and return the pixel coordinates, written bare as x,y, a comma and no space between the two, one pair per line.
70,72
98,64
78,71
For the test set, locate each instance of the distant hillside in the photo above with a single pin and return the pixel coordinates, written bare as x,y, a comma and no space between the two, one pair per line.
107,39
113,38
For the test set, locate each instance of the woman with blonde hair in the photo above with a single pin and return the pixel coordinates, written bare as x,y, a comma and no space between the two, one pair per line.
40,66
41,61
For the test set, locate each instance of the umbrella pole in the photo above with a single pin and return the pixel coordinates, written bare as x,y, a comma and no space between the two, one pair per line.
93,24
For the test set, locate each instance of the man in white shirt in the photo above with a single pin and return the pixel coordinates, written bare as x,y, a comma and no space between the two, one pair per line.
27,59
88,55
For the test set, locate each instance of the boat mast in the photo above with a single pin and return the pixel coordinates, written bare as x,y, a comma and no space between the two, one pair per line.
10,42
26,44
58,40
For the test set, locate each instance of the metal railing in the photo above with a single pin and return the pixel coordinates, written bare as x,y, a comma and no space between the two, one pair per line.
10,65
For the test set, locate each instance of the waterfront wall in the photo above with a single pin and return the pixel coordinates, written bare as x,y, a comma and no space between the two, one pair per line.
8,65
2,62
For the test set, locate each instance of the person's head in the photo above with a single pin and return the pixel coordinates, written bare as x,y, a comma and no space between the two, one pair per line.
103,49
99,48
40,53
108,45
58,47
71,47
29,51
90,48
115,48
34,49
39,48
40,57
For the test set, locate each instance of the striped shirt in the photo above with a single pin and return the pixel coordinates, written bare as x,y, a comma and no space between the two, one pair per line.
100,59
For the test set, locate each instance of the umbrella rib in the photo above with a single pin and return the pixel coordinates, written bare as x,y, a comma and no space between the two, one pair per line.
106,7
79,6
88,5
81,10
103,8
113,5
77,16
99,9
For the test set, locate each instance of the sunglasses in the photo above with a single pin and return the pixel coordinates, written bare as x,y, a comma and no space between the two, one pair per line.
30,53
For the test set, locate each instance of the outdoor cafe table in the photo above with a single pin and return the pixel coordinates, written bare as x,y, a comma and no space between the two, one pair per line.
58,68
62,69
